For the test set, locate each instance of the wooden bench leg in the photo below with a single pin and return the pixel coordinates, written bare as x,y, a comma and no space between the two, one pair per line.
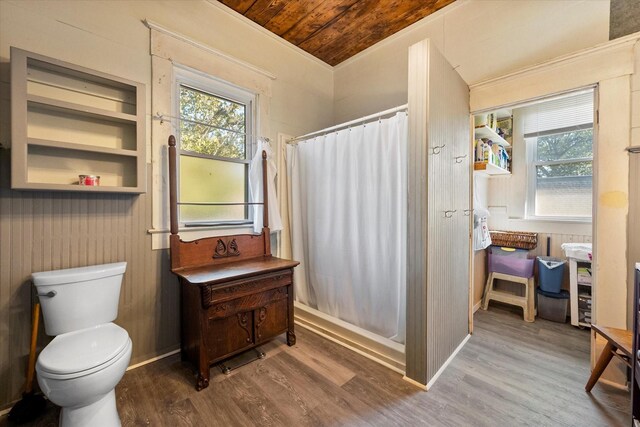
603,361
487,291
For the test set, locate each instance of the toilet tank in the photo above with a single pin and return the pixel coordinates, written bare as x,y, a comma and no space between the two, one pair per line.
78,298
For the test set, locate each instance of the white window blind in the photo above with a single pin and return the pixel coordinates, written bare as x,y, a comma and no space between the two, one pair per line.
559,115
559,137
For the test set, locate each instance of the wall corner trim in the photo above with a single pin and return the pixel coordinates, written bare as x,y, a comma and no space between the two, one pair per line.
153,26
415,383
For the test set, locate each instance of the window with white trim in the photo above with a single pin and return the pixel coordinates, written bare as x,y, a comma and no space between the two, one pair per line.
216,121
558,134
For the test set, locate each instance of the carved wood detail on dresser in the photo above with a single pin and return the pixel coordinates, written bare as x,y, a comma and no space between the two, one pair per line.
234,294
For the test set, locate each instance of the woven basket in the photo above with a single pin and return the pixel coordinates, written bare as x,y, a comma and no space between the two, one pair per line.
514,239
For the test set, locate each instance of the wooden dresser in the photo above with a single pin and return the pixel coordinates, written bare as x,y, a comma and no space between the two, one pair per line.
234,294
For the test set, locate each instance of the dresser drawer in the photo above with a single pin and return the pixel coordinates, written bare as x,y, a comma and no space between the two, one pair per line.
246,303
213,294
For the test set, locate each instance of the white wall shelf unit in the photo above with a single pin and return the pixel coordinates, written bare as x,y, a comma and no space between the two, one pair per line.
69,121
489,169
491,163
487,132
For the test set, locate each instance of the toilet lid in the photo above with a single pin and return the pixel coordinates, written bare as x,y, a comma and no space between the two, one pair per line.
83,350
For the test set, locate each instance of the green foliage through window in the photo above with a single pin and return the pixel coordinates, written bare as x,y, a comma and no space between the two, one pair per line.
568,146
226,135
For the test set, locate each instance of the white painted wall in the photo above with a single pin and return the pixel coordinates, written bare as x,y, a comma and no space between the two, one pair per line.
109,36
482,39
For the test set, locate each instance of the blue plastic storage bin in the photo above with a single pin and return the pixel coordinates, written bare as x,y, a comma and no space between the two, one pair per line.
550,274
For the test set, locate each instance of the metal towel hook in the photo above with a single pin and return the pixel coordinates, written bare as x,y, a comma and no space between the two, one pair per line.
449,214
467,212
436,149
458,159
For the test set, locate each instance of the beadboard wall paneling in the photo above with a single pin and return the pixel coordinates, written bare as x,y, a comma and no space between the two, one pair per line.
448,233
42,231
556,243
438,244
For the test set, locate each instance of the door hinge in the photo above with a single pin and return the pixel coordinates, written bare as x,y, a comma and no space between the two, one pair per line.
597,117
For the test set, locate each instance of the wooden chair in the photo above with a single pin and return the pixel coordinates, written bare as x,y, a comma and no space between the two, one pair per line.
234,294
527,302
619,343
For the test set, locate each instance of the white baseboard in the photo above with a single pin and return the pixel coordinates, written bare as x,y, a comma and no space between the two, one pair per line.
415,383
153,359
477,305
381,350
447,362
440,371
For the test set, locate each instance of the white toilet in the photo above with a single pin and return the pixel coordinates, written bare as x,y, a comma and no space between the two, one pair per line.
82,365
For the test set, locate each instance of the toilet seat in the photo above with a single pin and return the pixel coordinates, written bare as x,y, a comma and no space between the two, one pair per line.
83,352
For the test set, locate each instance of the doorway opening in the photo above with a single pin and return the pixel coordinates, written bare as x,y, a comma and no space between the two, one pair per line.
533,193
533,201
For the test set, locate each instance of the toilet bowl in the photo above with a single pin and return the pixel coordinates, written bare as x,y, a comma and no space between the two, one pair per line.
79,371
81,366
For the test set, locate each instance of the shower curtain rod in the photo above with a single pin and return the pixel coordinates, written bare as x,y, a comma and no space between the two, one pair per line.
345,125
163,117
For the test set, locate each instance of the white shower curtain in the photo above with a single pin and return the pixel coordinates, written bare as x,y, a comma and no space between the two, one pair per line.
348,195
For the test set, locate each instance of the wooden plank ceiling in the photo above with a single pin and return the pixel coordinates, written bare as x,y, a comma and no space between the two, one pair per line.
335,30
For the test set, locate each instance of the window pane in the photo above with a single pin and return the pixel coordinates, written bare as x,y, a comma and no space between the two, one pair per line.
563,196
565,170
226,139
208,180
563,146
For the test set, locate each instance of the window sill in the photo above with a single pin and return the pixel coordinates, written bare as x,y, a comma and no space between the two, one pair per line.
557,220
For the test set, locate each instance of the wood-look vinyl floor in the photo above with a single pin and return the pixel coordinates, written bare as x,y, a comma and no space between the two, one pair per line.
510,373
